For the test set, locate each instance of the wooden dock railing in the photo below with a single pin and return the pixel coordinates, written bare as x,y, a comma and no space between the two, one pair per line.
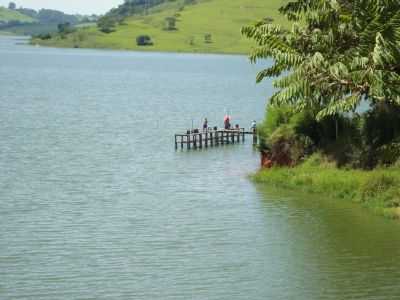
209,138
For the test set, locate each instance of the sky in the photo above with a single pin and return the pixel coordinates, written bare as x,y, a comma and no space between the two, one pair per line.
68,6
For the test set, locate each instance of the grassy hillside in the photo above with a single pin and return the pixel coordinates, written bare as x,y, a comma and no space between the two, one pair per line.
222,19
7,15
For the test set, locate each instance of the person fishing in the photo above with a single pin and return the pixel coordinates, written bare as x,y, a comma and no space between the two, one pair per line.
253,126
227,122
205,124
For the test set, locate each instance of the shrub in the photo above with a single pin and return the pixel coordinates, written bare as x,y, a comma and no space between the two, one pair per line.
189,2
396,165
381,124
208,38
46,36
389,154
12,6
106,24
107,29
170,24
318,159
144,40
357,141
287,147
283,122
275,117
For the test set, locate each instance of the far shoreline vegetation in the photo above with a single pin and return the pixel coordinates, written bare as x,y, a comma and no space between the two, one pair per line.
333,126
16,20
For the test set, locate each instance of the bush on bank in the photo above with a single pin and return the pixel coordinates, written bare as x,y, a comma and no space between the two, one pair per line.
364,140
353,157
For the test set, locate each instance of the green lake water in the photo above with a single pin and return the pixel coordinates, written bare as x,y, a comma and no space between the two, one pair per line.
95,203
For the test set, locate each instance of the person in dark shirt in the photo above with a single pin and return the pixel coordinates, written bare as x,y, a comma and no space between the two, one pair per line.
205,124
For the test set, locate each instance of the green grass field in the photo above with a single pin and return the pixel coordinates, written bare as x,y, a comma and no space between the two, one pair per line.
378,190
10,15
222,19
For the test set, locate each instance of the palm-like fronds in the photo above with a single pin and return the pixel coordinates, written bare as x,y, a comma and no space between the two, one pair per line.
339,53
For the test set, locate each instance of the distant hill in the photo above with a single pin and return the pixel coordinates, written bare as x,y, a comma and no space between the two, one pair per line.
7,15
135,7
180,25
28,21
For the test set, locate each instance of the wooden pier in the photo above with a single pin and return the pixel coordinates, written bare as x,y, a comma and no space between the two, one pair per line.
196,139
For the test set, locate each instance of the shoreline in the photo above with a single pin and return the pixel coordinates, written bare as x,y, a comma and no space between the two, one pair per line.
144,50
377,190
6,33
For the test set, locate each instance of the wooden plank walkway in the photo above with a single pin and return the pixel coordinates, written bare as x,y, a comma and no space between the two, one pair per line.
209,138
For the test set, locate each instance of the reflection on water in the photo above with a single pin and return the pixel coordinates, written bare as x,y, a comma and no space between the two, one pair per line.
96,204
336,250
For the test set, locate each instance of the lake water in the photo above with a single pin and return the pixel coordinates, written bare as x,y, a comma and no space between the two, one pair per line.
95,203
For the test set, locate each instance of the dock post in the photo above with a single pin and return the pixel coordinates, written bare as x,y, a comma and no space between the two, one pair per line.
176,143
206,141
243,135
201,141
211,139
188,141
233,137
238,136
181,142
255,137
222,137
194,141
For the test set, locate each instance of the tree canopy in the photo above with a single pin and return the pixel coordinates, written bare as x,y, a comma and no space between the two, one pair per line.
337,53
12,6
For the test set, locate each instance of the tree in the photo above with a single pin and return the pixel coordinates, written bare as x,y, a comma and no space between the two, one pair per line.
133,7
144,40
106,24
189,2
208,38
191,40
65,28
12,6
337,54
29,12
50,16
170,23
